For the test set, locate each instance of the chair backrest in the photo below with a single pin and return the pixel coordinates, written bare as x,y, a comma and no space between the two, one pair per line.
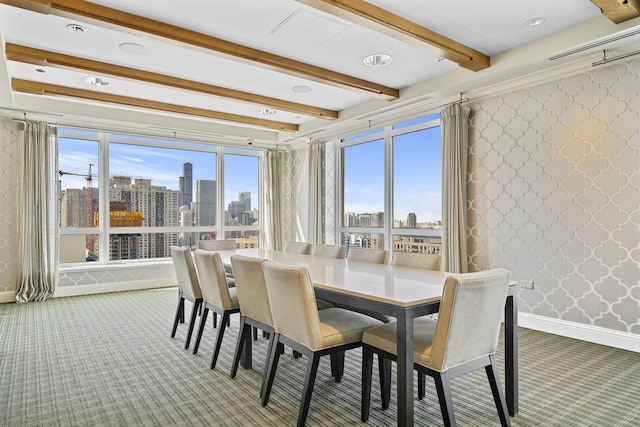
216,245
185,271
416,260
252,290
297,247
469,318
378,256
213,281
293,303
328,251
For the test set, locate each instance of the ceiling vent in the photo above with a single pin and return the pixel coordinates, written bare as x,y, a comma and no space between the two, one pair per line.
597,43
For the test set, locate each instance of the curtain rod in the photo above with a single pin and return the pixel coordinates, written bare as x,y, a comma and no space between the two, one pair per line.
458,101
606,60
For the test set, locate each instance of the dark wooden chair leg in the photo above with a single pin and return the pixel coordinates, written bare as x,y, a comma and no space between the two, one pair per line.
444,397
496,390
307,389
339,368
422,386
203,321
242,335
179,315
215,320
367,368
255,333
270,349
270,372
384,370
192,322
216,351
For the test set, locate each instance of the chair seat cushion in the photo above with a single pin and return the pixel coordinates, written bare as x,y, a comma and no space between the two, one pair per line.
339,326
384,338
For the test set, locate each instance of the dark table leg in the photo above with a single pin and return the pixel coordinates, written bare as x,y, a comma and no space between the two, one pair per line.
511,352
405,369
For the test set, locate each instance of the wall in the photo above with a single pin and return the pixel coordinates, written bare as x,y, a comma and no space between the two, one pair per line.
8,209
554,195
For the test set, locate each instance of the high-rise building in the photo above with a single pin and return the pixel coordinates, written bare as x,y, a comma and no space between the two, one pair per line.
160,208
245,199
186,185
412,220
204,207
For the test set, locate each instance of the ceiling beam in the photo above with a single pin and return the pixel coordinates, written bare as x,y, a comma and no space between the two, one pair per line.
369,16
41,57
37,88
618,11
103,16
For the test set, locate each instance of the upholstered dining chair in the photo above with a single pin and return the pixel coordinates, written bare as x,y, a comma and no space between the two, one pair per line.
417,260
462,340
378,256
297,248
255,310
188,289
220,245
253,302
216,295
300,325
328,251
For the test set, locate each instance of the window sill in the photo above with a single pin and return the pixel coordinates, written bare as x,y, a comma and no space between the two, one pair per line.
95,266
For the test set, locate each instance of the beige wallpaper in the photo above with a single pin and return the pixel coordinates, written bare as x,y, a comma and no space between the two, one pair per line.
554,189
8,205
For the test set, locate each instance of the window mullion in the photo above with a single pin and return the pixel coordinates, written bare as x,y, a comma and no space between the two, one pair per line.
103,197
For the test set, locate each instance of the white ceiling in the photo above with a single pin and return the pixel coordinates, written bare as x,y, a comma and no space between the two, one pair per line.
290,29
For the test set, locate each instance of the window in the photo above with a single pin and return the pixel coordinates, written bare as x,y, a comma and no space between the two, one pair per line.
392,187
154,194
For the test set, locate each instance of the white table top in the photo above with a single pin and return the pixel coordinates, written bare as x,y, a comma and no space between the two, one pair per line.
400,286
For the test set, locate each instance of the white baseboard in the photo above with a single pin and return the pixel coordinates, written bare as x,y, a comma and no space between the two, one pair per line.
7,296
595,334
101,288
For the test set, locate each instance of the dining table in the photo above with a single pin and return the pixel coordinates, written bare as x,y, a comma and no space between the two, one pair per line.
400,292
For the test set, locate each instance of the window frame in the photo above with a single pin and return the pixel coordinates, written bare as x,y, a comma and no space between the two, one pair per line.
104,229
387,133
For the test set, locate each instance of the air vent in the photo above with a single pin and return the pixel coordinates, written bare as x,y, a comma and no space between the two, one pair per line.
597,43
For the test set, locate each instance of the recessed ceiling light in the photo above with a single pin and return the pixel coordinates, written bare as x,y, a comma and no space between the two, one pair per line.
133,48
534,22
95,80
301,89
378,60
76,28
267,111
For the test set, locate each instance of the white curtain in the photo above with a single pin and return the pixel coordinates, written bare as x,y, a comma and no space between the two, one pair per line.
455,135
316,193
273,196
37,212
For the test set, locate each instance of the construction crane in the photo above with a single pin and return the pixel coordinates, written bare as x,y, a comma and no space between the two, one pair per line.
89,207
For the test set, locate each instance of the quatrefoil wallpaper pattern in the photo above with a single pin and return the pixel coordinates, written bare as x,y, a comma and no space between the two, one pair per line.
8,205
554,194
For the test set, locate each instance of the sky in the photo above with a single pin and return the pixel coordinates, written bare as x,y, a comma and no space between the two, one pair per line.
163,166
417,175
417,171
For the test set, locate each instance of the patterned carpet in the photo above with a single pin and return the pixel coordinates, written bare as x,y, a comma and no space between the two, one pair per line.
108,360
